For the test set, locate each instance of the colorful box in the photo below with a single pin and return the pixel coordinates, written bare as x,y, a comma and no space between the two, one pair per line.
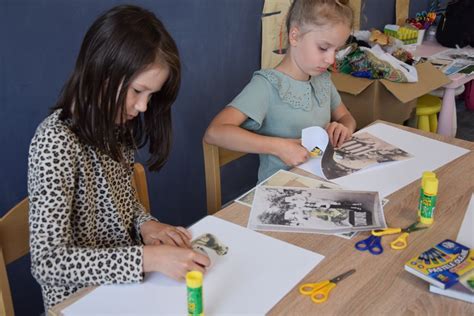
406,34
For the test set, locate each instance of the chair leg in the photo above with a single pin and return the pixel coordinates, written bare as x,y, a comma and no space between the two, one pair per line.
423,123
433,123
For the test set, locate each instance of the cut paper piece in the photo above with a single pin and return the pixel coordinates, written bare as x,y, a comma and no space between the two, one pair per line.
363,150
209,245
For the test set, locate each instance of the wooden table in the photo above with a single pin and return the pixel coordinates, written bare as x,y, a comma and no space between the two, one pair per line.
380,284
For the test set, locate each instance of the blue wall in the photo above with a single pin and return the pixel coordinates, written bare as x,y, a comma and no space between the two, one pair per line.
377,13
219,41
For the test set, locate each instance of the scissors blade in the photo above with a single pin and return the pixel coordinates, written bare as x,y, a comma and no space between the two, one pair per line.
342,276
413,227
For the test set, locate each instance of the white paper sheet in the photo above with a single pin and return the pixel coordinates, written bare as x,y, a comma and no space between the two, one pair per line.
250,279
466,233
429,154
314,137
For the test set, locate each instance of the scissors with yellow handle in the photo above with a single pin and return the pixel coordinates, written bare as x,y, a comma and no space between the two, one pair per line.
401,241
319,292
316,152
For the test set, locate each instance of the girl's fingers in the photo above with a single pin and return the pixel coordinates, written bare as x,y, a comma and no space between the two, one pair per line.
197,267
344,137
184,231
176,237
340,138
165,239
173,236
180,238
333,133
201,259
184,237
149,241
152,239
337,136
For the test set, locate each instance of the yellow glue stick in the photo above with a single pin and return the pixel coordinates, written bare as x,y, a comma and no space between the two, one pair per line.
428,204
425,175
194,290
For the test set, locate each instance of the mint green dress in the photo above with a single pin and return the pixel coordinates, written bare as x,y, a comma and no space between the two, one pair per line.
278,105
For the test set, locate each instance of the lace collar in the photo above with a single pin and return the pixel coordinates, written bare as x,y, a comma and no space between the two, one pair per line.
298,94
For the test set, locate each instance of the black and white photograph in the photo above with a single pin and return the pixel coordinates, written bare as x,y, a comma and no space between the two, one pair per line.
285,178
315,210
465,55
209,245
362,151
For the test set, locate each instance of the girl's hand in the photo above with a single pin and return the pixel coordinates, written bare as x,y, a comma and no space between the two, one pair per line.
156,233
173,261
290,151
338,133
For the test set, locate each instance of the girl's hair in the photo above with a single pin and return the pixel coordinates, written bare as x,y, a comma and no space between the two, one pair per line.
319,12
121,43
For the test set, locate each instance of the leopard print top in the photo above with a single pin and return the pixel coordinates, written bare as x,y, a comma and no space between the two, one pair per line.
84,217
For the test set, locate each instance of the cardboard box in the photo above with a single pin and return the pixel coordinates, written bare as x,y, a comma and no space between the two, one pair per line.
370,100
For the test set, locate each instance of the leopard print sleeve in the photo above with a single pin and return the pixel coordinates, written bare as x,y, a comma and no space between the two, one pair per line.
81,225
141,217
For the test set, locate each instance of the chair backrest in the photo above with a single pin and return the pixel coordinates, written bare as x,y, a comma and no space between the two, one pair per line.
214,158
140,185
14,244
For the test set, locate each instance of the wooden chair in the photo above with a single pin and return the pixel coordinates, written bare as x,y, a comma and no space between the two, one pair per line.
14,235
214,158
14,244
140,185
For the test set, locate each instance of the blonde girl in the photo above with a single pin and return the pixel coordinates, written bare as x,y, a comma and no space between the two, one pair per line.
268,115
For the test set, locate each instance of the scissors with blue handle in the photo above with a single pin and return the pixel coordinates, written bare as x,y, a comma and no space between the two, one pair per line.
373,244
319,292
401,241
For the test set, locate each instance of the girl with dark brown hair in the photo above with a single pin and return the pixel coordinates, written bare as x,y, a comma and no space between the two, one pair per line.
86,225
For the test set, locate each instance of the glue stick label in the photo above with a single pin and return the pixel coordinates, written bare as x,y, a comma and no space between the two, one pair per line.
420,200
428,206
195,301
